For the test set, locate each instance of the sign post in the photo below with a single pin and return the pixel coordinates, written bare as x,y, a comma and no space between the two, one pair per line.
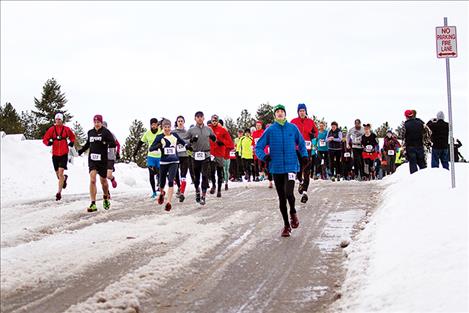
446,47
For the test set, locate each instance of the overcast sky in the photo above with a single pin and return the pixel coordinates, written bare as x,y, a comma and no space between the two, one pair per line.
127,60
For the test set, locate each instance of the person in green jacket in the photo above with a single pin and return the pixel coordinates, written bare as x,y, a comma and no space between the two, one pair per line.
245,151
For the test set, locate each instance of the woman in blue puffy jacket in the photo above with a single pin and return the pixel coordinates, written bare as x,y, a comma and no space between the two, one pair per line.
283,138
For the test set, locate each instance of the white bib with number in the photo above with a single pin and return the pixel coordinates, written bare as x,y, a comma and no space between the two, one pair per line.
95,156
347,154
181,148
199,156
391,152
369,148
322,143
308,145
169,150
291,176
232,154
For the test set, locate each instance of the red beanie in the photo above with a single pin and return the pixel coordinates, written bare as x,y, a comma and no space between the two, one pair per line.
98,117
409,113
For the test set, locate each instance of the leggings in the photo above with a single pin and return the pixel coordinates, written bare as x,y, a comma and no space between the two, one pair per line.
248,167
215,168
153,171
334,156
358,161
226,169
305,171
168,171
285,188
320,168
201,168
183,168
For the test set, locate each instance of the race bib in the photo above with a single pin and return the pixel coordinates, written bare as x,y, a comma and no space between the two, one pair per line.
347,154
291,176
322,143
308,145
369,148
391,152
199,156
357,140
232,154
95,157
256,140
169,150
181,148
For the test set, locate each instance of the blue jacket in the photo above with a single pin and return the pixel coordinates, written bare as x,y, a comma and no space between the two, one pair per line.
282,141
322,141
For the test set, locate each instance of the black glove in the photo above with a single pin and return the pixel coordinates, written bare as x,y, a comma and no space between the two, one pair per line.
236,154
194,139
304,161
189,147
159,145
267,158
80,152
312,135
70,144
212,137
51,141
220,143
118,156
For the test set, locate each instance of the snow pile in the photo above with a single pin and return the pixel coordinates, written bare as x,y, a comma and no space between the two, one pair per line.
413,255
28,174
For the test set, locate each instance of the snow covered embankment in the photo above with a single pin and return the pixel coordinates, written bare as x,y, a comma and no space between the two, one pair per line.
413,255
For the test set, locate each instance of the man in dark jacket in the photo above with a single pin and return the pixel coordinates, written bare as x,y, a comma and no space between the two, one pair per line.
440,132
414,130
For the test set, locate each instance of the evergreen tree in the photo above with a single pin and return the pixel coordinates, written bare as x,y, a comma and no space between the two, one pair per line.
265,113
136,132
400,131
245,120
317,121
381,131
52,101
30,123
10,121
231,127
80,135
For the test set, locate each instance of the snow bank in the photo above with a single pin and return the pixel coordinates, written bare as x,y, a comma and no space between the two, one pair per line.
413,255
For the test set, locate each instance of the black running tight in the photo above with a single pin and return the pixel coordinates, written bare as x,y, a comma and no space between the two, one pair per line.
285,187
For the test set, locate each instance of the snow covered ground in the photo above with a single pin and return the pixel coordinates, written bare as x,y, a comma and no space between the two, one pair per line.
413,255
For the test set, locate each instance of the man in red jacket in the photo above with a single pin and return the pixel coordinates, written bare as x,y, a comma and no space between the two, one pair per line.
258,164
309,131
56,136
217,152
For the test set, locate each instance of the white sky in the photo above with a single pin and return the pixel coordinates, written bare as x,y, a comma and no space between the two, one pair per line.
126,60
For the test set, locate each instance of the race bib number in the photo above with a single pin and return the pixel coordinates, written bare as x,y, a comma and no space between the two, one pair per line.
369,148
256,140
199,156
391,152
347,154
95,157
308,145
322,143
291,176
212,158
169,150
232,154
357,140
181,148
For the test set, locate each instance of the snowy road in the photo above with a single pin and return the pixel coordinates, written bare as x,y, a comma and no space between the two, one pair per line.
225,257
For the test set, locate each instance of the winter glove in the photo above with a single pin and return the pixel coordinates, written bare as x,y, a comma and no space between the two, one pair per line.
304,161
194,139
212,138
51,141
70,144
312,135
267,158
189,147
80,152
236,154
220,143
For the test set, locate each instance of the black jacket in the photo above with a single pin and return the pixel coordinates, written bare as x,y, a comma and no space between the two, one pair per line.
98,142
414,130
440,133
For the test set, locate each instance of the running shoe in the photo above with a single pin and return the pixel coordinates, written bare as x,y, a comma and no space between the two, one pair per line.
65,182
286,232
58,196
294,221
92,208
114,182
168,207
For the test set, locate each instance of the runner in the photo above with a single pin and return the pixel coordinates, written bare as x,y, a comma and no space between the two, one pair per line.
56,136
270,178
168,144
239,161
113,154
229,150
183,157
199,137
354,140
347,159
217,152
390,146
334,139
370,153
323,154
309,131
259,166
99,141
283,139
153,157
246,153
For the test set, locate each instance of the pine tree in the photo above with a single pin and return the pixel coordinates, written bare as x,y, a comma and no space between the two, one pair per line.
381,131
231,127
317,121
136,132
30,123
52,101
265,113
400,131
245,120
10,121
80,135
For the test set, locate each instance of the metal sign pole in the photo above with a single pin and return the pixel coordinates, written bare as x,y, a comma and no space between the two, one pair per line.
450,118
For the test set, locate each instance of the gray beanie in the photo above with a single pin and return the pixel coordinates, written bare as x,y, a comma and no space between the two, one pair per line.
440,115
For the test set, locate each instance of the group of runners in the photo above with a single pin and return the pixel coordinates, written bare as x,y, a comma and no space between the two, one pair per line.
280,153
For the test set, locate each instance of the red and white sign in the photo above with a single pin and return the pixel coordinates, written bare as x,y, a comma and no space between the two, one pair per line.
446,42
